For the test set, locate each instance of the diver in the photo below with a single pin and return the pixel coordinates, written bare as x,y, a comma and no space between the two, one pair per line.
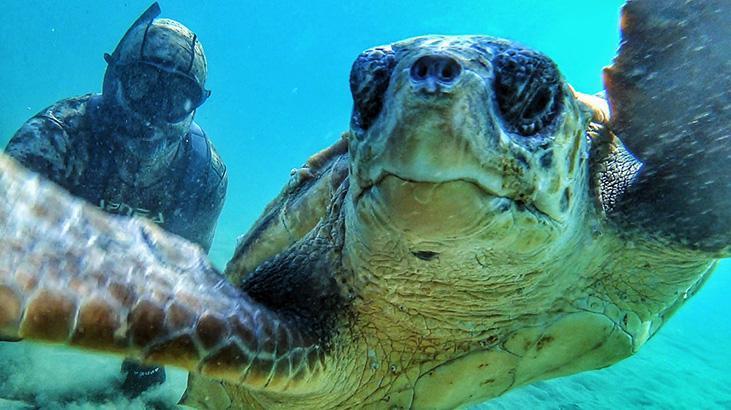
134,149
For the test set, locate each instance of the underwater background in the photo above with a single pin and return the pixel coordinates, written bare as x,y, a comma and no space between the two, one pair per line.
279,76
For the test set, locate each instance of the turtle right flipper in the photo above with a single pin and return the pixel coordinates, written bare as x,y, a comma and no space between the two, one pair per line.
71,275
669,91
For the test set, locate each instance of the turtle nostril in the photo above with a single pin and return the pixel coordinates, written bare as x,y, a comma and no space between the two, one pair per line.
447,73
442,69
419,70
450,70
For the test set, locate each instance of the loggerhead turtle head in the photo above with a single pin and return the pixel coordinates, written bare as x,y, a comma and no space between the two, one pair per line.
464,137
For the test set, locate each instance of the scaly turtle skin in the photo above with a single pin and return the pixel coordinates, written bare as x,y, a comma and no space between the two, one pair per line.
480,227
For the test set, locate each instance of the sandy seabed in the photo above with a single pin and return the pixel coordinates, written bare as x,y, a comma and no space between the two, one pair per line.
686,366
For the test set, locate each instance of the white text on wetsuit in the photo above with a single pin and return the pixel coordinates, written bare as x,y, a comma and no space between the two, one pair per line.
124,209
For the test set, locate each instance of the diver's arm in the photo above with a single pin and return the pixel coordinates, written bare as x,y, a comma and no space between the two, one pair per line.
42,145
211,204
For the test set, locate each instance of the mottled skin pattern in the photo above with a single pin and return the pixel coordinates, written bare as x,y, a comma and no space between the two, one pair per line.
479,239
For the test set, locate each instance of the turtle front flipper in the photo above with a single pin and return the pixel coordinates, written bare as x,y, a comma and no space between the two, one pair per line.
669,91
295,211
71,275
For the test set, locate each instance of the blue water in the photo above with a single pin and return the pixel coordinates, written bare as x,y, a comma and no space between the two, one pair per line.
279,76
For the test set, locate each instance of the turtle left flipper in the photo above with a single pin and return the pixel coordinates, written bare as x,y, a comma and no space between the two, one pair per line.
295,211
669,91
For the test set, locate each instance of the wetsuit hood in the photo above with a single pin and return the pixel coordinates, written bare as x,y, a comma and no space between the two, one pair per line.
155,78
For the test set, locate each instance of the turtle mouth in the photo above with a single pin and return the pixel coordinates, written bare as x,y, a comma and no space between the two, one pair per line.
463,187
386,174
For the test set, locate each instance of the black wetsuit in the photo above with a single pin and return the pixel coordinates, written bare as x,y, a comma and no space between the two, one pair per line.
71,145
67,145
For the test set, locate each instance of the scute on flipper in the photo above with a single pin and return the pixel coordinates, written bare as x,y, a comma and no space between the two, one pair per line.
669,92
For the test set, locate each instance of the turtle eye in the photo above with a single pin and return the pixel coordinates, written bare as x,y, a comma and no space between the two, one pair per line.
369,79
527,89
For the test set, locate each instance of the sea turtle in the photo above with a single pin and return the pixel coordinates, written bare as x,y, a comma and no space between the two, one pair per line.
480,226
